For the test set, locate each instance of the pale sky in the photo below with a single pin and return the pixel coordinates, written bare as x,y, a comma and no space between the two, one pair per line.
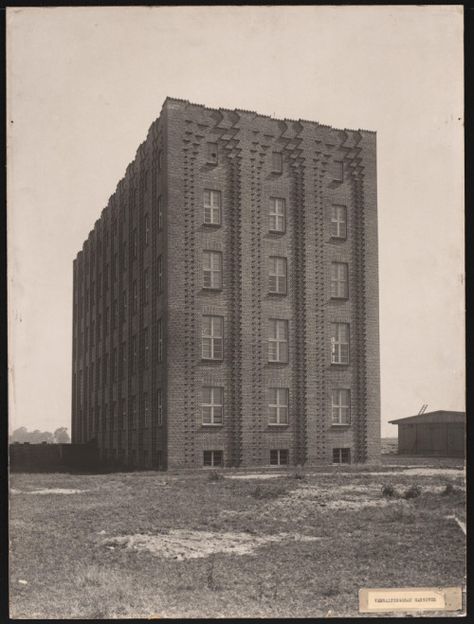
85,84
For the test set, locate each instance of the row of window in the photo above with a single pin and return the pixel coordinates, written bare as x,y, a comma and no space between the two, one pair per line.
278,457
277,275
212,345
212,204
212,200
132,416
212,406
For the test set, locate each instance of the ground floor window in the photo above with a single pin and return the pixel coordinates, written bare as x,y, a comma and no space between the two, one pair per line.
341,455
213,458
279,457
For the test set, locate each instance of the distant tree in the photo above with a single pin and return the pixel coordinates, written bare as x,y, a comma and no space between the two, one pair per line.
61,436
35,437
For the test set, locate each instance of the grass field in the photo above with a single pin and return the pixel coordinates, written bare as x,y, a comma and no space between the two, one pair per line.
206,545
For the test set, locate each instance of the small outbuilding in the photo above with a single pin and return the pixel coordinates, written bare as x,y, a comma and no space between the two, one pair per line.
441,433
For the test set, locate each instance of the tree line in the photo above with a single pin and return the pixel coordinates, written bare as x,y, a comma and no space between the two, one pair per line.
60,436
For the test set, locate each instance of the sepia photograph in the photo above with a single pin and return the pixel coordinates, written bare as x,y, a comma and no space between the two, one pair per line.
236,312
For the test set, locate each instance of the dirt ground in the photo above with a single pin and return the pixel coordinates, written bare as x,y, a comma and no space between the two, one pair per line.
230,544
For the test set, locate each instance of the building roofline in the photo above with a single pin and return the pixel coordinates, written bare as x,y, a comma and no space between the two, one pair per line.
261,115
407,418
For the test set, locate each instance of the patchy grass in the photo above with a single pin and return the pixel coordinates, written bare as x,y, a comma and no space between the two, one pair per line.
340,534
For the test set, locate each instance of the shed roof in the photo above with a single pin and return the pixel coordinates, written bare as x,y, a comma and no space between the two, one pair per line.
432,417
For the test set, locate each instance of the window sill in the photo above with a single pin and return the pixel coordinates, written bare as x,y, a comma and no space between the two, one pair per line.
341,425
340,364
338,238
213,425
212,225
279,425
212,289
340,298
278,362
272,293
277,231
212,359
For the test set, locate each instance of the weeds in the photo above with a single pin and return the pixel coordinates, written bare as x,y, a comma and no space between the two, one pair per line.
389,491
268,491
215,476
448,490
413,492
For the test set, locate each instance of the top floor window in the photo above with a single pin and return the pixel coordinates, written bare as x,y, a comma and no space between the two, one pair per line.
338,221
277,162
212,207
338,170
277,215
212,153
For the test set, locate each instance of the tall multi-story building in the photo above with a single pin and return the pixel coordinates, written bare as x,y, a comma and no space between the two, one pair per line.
226,301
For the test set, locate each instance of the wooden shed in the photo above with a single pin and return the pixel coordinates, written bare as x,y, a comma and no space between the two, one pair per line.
440,433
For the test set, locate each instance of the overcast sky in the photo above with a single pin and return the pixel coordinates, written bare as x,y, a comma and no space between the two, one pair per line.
85,84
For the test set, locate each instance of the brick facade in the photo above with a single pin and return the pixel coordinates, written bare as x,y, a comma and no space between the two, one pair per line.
119,376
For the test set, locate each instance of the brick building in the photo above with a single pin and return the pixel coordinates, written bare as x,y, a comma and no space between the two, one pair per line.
226,301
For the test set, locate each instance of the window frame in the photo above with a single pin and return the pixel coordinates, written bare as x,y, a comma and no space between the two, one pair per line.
212,208
337,352
212,338
339,287
212,405
340,400
212,158
274,274
213,463
275,404
337,223
211,272
341,453
274,214
277,162
276,340
278,461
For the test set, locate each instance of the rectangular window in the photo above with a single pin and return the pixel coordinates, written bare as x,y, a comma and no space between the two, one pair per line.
134,297
212,207
114,365
277,162
279,457
123,360
134,354
146,409
278,406
213,458
338,169
339,343
146,228
146,348
124,256
212,153
341,455
134,244
146,283
339,280
277,275
160,160
339,222
160,213
341,406
114,313
212,405
160,274
212,337
277,214
278,341
160,340
159,401
133,411
212,269
124,306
